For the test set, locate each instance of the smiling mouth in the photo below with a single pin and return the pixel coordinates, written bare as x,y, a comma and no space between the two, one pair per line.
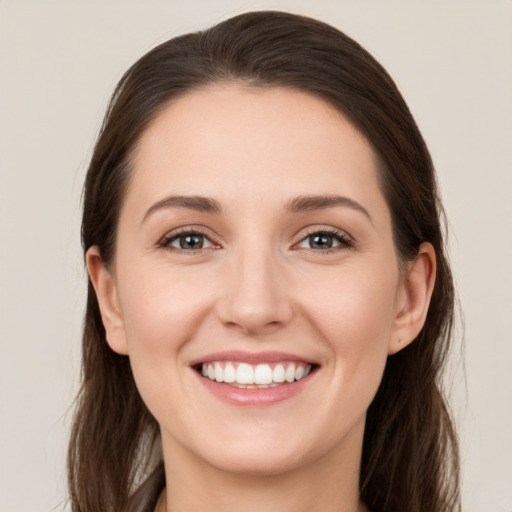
254,376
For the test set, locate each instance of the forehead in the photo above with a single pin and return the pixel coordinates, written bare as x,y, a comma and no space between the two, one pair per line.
263,142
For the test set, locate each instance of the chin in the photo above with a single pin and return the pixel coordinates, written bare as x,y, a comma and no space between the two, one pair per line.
257,463
258,453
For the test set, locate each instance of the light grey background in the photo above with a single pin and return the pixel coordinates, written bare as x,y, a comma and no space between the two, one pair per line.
59,61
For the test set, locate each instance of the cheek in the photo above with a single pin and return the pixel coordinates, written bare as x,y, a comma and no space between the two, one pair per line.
161,309
161,314
353,306
354,314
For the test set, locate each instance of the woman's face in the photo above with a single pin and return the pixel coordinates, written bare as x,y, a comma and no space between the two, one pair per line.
254,243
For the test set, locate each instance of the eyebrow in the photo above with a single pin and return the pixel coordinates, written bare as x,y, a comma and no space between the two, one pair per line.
309,203
198,203
296,205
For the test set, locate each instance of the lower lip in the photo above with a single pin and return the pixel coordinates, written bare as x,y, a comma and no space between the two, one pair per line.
263,396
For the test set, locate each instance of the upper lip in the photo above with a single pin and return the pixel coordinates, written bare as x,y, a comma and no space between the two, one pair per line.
252,357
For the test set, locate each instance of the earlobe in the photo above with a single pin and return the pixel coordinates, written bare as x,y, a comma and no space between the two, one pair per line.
417,288
106,293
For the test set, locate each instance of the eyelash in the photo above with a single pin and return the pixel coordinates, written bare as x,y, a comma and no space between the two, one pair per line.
345,241
165,242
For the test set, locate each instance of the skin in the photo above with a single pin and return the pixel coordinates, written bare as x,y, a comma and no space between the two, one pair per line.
258,285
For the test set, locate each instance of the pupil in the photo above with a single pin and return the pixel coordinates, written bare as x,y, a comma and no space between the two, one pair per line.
320,241
191,242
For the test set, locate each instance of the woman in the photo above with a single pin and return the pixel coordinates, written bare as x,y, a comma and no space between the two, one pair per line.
270,305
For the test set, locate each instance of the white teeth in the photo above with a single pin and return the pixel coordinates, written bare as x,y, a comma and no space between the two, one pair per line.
278,374
219,374
263,374
244,375
229,373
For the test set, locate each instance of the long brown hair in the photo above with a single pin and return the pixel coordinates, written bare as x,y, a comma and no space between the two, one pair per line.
410,456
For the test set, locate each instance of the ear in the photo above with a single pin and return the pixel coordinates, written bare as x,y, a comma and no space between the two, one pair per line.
414,298
106,293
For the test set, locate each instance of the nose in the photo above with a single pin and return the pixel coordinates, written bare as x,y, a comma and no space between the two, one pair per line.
256,298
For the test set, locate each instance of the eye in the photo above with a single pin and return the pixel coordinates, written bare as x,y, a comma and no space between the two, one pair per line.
186,241
323,240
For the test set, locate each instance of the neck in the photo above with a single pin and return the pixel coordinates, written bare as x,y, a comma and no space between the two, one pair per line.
328,484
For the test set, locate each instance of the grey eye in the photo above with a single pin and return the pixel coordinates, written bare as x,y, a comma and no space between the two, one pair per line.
322,241
189,242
